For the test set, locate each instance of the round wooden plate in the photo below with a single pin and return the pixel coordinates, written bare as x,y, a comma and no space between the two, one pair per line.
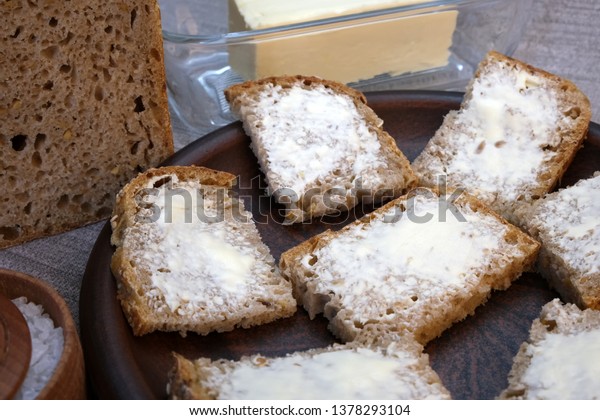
473,358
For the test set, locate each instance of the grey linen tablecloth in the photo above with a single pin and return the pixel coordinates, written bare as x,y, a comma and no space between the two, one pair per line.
563,37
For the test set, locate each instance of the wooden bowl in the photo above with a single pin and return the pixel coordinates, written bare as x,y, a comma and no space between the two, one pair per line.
68,380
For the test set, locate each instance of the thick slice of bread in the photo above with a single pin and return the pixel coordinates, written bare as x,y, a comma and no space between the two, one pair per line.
398,371
416,265
83,109
567,223
189,257
320,146
560,359
516,133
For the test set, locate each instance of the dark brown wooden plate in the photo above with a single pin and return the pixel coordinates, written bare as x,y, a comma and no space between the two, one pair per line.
472,358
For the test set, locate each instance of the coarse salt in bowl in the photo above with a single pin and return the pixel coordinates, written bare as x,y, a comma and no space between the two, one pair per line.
47,343
60,372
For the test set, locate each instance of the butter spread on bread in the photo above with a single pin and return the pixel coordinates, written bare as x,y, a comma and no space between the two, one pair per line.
398,371
321,148
566,367
412,266
514,136
192,249
567,223
559,361
189,258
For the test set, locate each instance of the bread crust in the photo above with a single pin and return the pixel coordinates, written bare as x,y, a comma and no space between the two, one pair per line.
186,378
84,108
253,87
459,305
146,309
395,171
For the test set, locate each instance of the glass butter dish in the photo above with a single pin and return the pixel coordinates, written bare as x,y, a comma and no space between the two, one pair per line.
381,45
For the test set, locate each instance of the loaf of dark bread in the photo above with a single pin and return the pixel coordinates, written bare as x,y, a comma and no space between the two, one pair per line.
83,108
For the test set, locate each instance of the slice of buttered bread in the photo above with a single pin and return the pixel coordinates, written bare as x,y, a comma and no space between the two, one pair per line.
416,265
339,372
321,148
514,136
567,224
189,258
83,109
560,359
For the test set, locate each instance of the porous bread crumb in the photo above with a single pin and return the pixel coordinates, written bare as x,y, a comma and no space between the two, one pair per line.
83,109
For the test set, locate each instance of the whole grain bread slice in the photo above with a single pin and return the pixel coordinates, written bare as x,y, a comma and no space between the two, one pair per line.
567,224
321,148
414,266
514,136
559,361
398,371
189,258
83,109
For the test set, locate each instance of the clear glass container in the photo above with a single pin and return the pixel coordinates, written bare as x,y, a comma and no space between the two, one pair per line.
434,45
